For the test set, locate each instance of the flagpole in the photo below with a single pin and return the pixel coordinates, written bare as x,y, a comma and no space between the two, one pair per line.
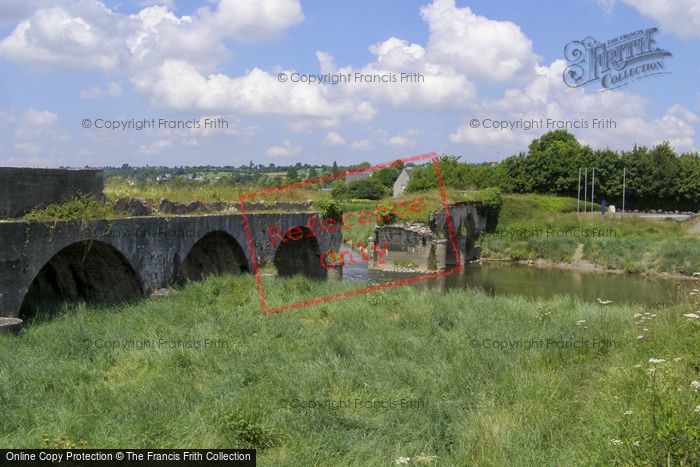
578,193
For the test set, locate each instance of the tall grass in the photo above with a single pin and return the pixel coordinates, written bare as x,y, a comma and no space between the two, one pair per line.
533,227
362,381
181,190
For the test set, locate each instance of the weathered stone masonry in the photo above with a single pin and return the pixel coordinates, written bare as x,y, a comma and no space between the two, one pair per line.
129,257
22,189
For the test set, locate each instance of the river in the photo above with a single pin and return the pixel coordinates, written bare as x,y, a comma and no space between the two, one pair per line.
499,278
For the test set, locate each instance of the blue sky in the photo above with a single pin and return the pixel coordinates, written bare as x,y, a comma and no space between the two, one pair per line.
69,60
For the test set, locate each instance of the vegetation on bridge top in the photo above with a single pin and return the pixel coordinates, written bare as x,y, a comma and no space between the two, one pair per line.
81,207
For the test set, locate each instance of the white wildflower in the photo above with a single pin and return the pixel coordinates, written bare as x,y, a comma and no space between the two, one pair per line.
403,460
636,444
604,302
695,385
656,360
697,409
617,442
645,330
580,322
692,315
637,315
640,337
638,365
628,412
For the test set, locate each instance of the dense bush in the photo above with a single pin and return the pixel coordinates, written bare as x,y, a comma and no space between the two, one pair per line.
387,176
329,209
367,188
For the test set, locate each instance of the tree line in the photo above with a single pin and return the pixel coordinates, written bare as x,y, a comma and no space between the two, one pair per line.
656,178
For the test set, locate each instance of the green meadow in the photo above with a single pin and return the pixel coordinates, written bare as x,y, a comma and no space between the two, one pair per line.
421,377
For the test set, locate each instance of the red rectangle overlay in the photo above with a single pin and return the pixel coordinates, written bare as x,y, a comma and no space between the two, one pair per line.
267,310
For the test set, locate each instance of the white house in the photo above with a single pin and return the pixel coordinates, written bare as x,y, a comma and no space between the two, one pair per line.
401,182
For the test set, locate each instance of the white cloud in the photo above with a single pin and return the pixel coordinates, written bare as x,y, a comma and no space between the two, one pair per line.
287,149
28,147
362,145
37,127
442,87
683,113
179,85
11,11
680,17
228,125
6,119
92,92
462,46
113,89
497,50
249,20
606,5
54,37
87,34
155,147
38,118
548,97
34,133
334,139
400,141
168,3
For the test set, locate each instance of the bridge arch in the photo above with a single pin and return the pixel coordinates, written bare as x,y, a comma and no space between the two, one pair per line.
88,270
299,255
215,253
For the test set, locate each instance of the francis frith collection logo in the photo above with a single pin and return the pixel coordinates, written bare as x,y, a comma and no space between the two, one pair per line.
616,62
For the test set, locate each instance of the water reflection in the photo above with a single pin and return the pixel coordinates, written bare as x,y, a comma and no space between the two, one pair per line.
515,279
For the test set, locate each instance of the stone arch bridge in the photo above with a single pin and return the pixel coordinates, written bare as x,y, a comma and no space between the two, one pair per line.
127,258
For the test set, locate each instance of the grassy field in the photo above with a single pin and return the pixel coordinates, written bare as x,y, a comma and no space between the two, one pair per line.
534,227
363,381
186,191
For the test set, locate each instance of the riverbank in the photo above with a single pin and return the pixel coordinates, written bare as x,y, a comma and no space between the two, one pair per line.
590,267
546,231
445,377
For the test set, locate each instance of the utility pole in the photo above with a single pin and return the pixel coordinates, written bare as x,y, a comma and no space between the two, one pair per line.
593,190
624,181
578,194
585,189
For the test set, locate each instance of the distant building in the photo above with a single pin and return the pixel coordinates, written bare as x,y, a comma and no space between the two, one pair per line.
351,177
402,182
